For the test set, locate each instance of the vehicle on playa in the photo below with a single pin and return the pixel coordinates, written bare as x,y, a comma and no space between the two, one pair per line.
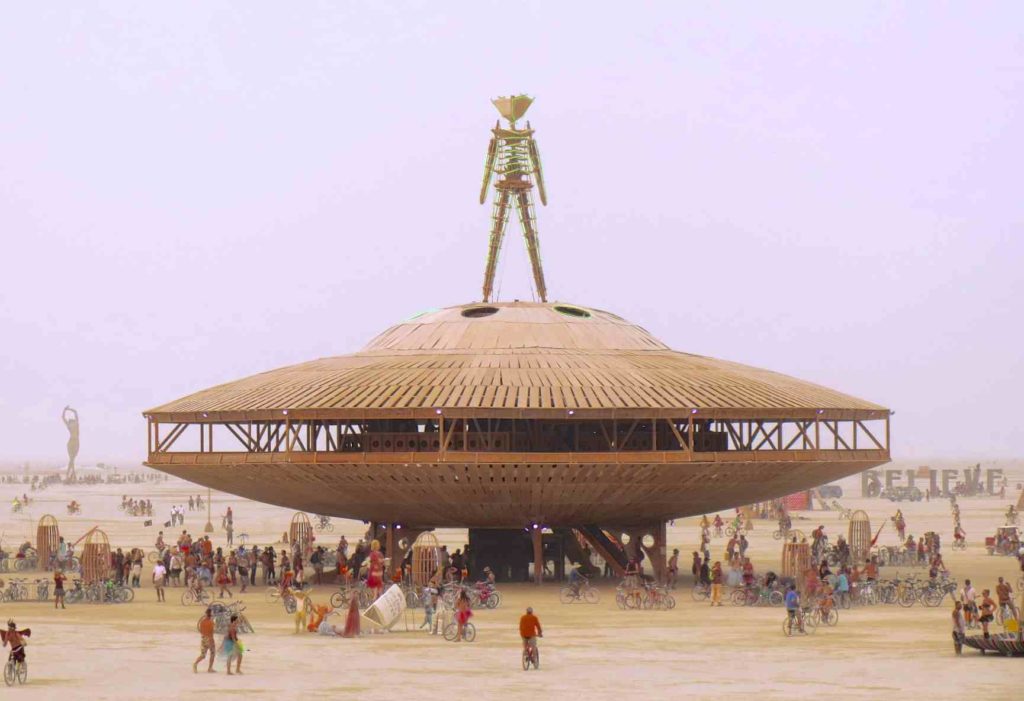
902,494
1006,541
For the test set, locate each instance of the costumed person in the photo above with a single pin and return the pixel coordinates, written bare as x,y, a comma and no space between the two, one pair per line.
375,573
16,639
301,604
232,647
463,612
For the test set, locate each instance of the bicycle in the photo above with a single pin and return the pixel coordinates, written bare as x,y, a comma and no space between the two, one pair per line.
531,656
451,632
196,595
15,671
584,591
42,589
701,592
804,620
323,524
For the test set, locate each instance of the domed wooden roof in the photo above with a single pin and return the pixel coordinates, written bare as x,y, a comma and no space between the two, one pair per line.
522,359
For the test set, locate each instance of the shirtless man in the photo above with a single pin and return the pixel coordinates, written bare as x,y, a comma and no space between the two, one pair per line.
206,644
1004,592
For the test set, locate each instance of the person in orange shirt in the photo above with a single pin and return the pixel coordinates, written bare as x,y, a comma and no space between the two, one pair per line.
205,641
529,629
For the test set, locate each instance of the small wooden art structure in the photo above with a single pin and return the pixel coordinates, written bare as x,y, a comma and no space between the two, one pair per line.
300,532
47,539
95,557
426,558
796,557
859,537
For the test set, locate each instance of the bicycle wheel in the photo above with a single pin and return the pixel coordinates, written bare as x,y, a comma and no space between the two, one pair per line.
153,557
699,592
669,602
289,604
9,673
738,597
494,600
188,597
775,598
536,656
777,535
337,600
591,595
450,632
831,618
469,632
620,599
810,622
329,528
907,598
526,661
125,594
566,596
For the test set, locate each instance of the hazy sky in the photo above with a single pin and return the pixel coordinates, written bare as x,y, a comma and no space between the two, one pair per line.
195,192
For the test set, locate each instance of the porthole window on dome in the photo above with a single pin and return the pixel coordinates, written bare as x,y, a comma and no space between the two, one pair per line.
572,311
477,312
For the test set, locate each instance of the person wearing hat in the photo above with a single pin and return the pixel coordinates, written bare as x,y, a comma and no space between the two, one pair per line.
488,579
16,639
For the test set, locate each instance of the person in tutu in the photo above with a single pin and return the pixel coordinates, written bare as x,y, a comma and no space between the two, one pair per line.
375,573
232,647
463,612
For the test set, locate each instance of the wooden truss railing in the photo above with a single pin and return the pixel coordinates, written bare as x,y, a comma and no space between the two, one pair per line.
468,434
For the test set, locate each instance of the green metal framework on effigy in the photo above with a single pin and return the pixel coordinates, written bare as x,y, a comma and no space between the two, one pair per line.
514,158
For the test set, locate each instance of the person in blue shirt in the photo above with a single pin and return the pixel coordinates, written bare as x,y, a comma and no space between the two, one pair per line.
793,607
843,588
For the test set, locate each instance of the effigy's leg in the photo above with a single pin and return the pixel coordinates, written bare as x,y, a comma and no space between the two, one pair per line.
526,219
499,218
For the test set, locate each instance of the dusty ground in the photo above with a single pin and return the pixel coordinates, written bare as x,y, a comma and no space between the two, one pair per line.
145,649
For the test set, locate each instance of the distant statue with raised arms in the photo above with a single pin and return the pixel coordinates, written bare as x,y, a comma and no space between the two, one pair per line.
70,418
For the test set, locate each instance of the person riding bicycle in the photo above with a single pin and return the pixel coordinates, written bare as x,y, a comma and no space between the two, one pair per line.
718,524
576,579
958,534
793,607
529,629
488,581
16,639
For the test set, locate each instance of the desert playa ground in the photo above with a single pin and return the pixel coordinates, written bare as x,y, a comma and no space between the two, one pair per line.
144,649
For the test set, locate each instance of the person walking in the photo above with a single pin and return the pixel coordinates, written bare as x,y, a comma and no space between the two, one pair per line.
159,576
959,628
673,568
716,584
232,646
206,644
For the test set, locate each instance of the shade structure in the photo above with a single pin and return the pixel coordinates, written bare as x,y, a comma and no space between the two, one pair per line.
859,537
511,413
426,558
96,557
47,539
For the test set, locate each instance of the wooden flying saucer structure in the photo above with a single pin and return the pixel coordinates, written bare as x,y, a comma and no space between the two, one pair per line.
508,414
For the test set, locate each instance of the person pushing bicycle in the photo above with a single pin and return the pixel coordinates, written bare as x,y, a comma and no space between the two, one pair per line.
529,629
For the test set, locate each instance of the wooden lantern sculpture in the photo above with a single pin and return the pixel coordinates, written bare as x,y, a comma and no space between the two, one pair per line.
47,540
95,557
300,533
859,537
426,558
796,557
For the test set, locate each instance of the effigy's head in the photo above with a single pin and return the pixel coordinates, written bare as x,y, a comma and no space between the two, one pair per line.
513,107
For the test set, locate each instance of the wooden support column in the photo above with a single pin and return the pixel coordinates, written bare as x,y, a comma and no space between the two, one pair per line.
390,549
538,555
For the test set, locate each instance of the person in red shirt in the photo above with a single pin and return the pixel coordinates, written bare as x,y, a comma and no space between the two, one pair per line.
529,629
